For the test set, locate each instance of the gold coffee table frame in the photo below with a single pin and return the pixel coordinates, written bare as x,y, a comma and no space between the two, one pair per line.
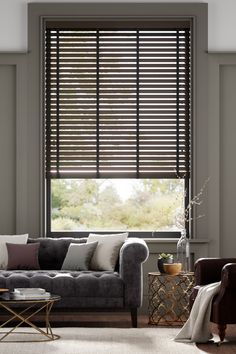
33,307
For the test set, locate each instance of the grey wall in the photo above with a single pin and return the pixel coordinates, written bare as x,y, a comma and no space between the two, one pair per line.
26,201
228,159
29,139
221,151
215,147
17,129
13,144
7,148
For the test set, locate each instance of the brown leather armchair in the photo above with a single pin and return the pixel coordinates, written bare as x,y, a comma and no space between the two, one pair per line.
211,270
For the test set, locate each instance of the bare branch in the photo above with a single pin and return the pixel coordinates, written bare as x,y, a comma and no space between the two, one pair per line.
194,202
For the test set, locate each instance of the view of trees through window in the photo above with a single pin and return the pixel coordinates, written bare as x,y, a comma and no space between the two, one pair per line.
116,204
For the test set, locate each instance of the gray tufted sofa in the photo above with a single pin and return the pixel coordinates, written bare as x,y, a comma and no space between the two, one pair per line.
80,290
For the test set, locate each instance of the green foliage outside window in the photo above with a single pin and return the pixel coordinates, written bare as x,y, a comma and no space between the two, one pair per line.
99,204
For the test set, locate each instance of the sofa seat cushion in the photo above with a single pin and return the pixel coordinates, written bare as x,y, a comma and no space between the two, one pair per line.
66,283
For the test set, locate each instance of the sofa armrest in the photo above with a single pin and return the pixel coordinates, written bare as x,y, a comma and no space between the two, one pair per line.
208,270
133,253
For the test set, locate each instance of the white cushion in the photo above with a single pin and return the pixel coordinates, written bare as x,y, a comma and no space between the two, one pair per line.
19,239
106,254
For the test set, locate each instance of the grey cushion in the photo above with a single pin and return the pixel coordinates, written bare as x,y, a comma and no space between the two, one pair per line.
78,256
52,251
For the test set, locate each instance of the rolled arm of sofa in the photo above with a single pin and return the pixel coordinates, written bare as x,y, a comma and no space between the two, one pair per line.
208,270
133,254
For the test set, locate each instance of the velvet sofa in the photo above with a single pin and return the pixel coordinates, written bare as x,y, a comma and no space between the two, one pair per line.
85,290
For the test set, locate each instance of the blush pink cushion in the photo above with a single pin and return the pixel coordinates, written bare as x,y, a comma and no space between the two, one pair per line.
23,256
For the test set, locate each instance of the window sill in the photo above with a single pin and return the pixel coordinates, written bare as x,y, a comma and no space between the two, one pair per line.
174,240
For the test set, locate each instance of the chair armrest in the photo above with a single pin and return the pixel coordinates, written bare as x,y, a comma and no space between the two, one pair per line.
223,309
133,253
208,270
228,277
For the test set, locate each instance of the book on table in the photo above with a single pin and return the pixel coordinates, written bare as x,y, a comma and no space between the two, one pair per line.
30,293
24,291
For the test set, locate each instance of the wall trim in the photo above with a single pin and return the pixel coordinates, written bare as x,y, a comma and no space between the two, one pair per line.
18,61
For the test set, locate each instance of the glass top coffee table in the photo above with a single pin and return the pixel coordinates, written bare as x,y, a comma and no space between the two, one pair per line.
23,314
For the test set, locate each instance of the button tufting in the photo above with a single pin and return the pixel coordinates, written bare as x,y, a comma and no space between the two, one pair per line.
66,283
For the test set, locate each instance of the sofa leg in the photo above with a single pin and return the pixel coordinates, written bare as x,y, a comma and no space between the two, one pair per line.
221,331
134,320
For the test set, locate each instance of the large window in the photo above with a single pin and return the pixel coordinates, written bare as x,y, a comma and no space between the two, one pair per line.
117,125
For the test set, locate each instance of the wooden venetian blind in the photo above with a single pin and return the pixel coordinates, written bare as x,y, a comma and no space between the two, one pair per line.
117,102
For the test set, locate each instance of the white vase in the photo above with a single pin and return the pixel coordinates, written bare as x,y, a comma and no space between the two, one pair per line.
183,252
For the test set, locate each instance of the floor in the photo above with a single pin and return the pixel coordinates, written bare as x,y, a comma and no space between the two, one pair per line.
96,319
228,347
123,321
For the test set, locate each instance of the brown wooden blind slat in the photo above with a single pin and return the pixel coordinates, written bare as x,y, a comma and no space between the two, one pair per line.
117,102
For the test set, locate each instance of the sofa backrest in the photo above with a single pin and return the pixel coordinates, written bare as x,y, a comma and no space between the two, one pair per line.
52,251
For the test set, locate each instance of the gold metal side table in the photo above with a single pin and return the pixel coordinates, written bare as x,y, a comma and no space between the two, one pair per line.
24,314
169,298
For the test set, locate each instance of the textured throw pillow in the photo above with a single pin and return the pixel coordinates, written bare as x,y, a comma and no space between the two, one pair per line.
23,256
107,251
19,239
78,256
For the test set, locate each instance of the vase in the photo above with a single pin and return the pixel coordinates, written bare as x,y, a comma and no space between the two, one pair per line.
183,252
160,263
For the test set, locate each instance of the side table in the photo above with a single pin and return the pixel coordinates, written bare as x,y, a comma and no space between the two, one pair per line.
169,298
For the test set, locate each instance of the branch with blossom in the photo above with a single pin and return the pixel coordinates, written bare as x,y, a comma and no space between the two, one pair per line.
195,201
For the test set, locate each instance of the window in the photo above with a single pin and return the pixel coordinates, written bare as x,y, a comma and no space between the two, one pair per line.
117,104
116,204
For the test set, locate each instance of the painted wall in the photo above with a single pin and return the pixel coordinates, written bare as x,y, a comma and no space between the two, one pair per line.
221,127
222,24
221,154
8,148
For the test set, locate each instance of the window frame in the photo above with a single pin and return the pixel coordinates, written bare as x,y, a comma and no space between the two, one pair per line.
38,13
48,125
